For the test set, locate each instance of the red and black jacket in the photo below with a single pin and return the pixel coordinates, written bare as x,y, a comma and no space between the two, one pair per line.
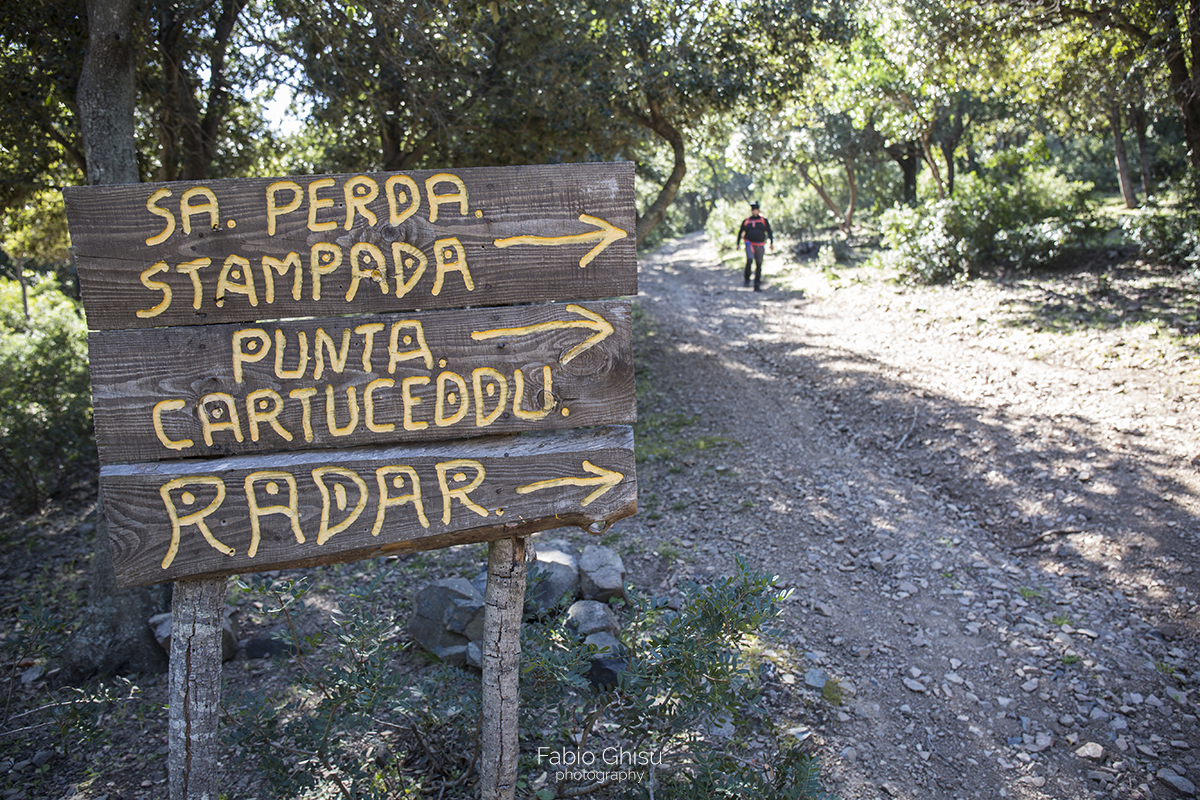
756,230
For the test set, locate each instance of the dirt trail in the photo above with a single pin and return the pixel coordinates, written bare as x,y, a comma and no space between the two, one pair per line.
991,526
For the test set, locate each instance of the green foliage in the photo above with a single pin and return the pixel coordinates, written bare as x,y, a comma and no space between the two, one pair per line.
1023,219
354,724
1166,238
321,727
45,395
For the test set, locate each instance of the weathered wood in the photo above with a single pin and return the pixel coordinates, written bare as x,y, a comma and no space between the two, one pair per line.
191,518
197,607
499,724
202,391
486,237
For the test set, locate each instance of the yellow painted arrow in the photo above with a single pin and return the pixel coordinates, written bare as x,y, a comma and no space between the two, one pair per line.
602,327
607,234
605,479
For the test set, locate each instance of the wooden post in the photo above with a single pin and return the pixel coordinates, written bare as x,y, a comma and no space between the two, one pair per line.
501,656
195,688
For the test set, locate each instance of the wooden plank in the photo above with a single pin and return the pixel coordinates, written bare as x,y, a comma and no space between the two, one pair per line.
188,253
193,741
195,518
201,391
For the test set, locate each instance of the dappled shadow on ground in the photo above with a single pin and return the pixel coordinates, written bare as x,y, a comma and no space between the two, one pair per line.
842,459
1111,296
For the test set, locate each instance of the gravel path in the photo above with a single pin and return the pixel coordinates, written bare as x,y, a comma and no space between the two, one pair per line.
989,515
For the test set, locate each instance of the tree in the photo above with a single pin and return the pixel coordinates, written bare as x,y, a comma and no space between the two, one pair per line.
114,634
189,111
1164,33
522,81
41,57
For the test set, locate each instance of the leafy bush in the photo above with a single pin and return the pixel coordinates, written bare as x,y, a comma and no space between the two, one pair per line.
356,722
45,396
1172,239
1028,219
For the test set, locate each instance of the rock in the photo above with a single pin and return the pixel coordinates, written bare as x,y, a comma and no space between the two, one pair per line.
606,644
601,573
1177,782
816,679
1091,750
722,728
447,616
604,672
474,655
553,575
277,642
1179,697
913,685
1030,685
1040,742
586,617
42,757
160,626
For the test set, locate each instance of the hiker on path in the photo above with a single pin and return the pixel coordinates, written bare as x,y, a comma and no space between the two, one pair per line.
756,231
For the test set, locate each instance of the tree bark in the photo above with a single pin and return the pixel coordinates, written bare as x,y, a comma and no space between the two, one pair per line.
819,188
114,635
195,689
1183,83
852,202
505,601
906,155
185,134
1114,119
659,124
107,93
1137,117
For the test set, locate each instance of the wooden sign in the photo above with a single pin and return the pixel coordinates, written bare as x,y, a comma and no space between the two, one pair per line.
334,382
307,370
251,513
155,255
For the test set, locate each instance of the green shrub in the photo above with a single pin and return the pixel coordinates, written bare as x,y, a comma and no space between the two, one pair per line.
1029,219
45,397
1171,239
356,720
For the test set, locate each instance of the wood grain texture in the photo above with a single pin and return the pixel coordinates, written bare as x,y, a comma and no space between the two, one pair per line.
195,371
471,491
111,225
193,764
499,722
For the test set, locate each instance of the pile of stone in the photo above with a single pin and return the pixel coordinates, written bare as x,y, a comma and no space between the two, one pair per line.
448,614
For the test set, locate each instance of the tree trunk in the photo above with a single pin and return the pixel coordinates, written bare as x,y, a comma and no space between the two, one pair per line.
817,186
927,154
195,689
906,155
505,598
1137,117
852,183
663,127
1183,84
1114,119
24,289
107,93
113,635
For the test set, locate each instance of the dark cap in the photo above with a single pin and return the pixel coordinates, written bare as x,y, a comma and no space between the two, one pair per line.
754,204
